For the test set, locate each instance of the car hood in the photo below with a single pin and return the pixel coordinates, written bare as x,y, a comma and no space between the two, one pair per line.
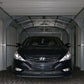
42,51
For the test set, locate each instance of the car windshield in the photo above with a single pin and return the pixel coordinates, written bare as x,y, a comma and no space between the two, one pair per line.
43,41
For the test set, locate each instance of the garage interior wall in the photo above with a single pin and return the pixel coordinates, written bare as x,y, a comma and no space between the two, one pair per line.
80,21
56,32
11,41
11,30
1,58
8,38
78,48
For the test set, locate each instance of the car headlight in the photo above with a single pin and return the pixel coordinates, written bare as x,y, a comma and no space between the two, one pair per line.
66,57
18,57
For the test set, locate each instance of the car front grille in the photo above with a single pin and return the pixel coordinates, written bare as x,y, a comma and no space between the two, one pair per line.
47,59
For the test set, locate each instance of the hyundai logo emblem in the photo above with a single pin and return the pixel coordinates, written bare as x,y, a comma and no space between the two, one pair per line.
42,58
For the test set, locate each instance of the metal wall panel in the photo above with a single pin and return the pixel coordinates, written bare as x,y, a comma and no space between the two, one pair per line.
11,40
80,21
1,58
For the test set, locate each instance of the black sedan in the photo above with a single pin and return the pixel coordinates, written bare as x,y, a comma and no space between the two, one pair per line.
42,57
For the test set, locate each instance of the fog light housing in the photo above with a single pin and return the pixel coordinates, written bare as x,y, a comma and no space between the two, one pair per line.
66,69
18,69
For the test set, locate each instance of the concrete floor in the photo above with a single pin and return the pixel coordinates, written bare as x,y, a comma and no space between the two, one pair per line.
6,77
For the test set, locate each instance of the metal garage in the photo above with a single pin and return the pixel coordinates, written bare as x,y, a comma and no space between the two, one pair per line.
22,19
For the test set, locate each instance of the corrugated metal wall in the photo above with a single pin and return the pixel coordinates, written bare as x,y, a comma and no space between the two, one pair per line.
48,31
80,21
1,57
11,41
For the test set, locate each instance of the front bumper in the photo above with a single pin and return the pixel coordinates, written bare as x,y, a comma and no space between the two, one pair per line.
58,69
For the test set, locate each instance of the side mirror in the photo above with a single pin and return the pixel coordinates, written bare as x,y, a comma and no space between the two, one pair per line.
68,45
18,44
